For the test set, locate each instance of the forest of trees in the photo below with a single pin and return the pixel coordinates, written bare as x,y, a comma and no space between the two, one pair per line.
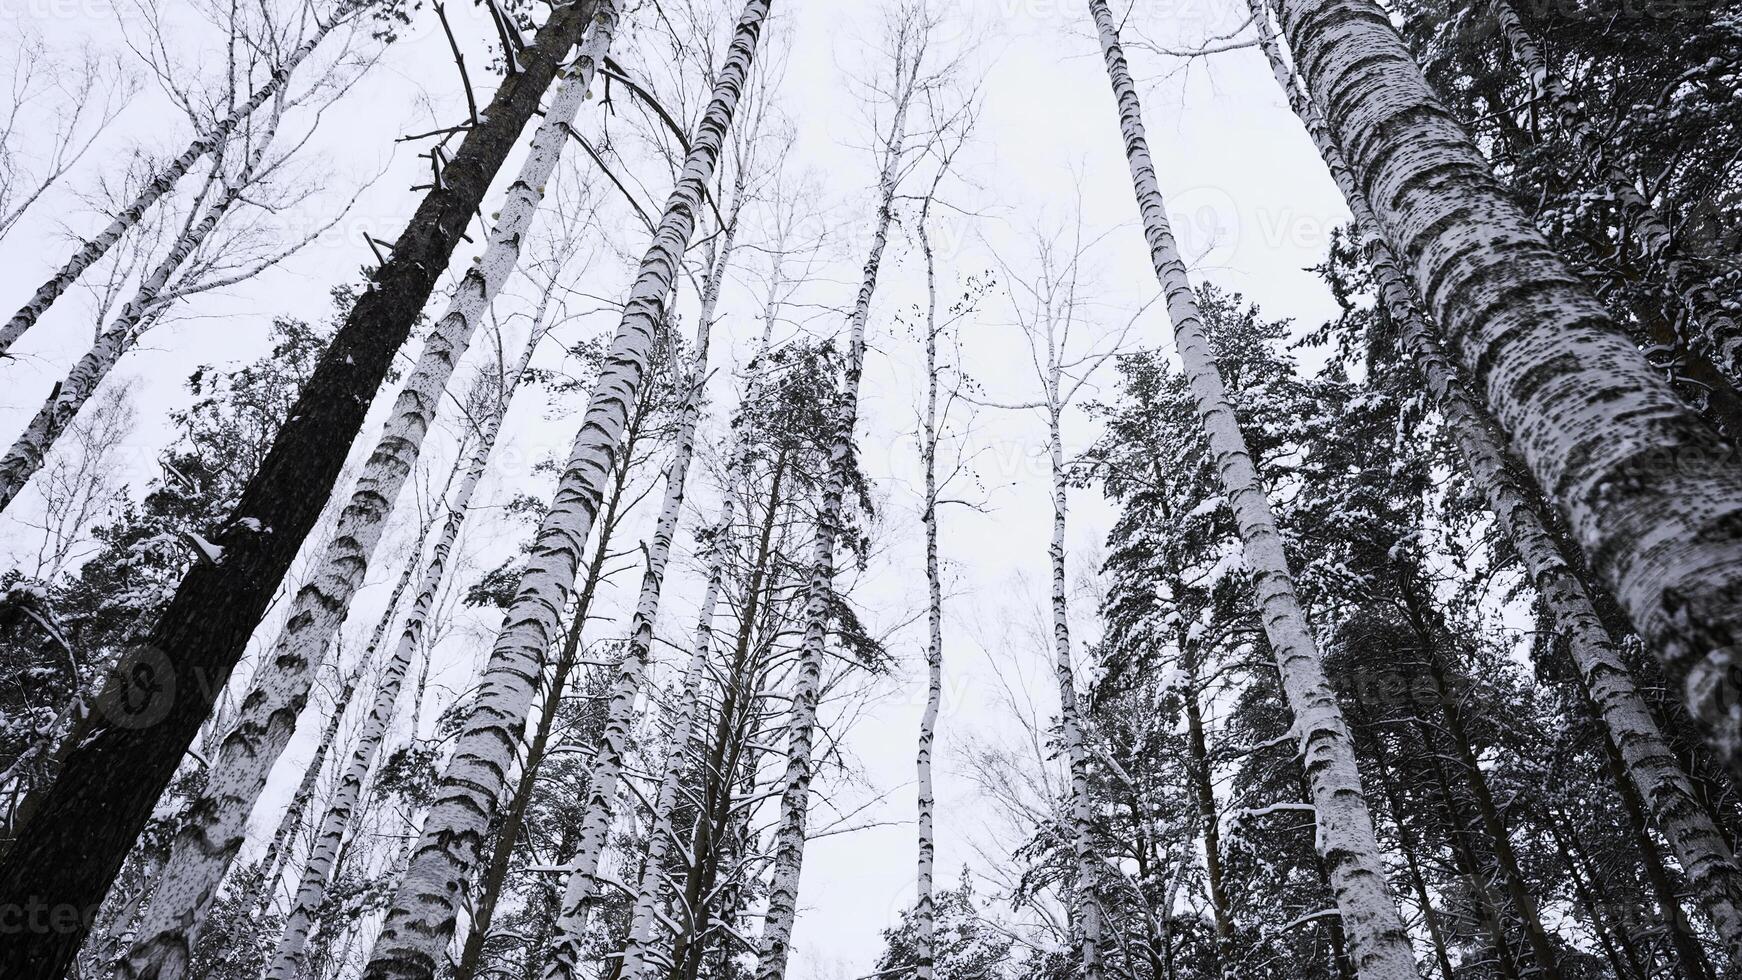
508,574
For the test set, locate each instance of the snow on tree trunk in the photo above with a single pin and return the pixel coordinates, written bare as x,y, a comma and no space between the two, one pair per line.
563,962
26,455
421,918
789,835
288,959
1087,906
1651,763
161,183
206,844
1379,945
638,961
1716,335
1653,496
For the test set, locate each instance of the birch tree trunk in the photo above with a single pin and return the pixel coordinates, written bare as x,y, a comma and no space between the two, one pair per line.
582,888
420,920
1380,946
1653,496
26,455
789,833
288,959
207,843
1716,335
91,817
638,962
1088,904
924,914
161,182
283,838
1651,764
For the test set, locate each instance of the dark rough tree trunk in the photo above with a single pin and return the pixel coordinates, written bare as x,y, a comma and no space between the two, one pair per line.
1374,750
155,700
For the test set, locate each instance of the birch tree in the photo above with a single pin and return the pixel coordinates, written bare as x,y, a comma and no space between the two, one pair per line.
288,959
582,886
1052,317
194,262
87,822
212,135
1652,765
421,919
910,37
934,421
1651,495
77,102
1370,920
209,843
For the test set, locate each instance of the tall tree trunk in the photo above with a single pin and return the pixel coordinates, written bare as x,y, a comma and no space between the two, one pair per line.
494,876
1598,911
1086,906
924,916
564,962
1653,495
789,834
288,959
63,403
1716,336
1407,844
420,920
163,689
1209,817
1546,957
725,750
1470,863
1651,764
634,963
1690,955
90,251
208,842
1380,947
637,962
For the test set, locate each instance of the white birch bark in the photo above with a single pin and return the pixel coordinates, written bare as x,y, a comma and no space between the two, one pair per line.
1701,850
639,962
1652,495
63,403
1715,333
208,843
94,249
289,957
278,850
789,835
1379,946
563,962
420,921
924,914
1087,907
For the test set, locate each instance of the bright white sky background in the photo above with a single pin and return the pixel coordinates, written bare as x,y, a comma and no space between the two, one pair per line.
1252,206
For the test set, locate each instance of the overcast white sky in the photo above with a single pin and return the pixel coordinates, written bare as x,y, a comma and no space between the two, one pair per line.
1250,200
